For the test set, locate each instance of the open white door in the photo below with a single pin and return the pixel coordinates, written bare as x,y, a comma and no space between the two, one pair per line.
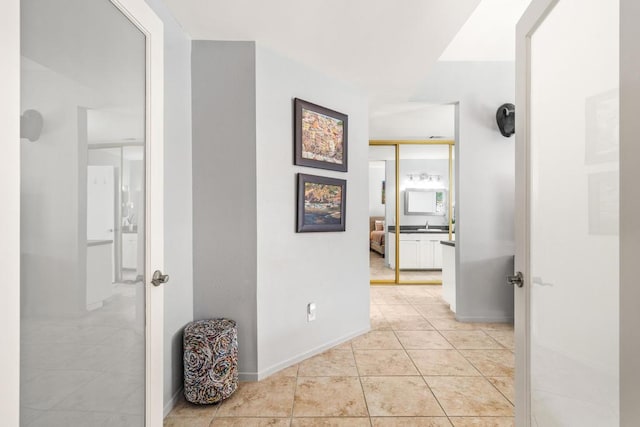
61,363
567,326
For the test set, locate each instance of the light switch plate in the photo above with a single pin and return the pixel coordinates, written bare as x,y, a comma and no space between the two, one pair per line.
311,312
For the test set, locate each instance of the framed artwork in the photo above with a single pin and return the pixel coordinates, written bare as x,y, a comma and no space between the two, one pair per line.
321,203
320,137
384,198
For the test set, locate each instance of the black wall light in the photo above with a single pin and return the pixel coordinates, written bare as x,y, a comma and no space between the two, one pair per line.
506,118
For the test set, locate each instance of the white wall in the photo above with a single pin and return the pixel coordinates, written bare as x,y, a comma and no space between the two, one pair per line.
330,269
178,206
376,176
431,166
484,172
224,190
413,120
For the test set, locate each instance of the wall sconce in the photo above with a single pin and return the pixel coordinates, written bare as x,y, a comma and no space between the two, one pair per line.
506,118
425,180
31,125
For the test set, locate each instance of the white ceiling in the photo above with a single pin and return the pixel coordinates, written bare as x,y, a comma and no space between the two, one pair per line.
386,47
489,34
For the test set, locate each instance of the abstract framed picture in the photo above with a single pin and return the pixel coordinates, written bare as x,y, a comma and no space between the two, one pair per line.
321,203
320,136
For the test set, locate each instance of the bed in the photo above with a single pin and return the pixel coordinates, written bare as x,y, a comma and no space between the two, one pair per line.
376,234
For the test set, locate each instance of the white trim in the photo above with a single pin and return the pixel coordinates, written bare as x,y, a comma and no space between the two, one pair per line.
148,22
629,214
257,376
10,212
530,21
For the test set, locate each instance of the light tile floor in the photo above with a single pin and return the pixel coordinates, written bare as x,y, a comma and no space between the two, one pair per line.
417,367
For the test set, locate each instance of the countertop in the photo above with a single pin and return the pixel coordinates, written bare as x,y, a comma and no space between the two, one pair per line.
451,243
418,229
99,242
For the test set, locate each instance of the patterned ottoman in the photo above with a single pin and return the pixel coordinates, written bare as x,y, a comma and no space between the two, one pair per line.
210,360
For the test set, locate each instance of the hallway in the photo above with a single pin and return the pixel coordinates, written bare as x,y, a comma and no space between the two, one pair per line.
417,367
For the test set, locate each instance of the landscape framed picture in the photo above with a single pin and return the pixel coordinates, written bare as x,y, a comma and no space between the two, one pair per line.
321,203
320,137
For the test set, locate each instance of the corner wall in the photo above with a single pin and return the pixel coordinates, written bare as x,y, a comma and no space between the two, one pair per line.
224,189
330,269
485,175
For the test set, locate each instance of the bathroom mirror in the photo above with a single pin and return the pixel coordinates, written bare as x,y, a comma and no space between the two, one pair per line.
424,202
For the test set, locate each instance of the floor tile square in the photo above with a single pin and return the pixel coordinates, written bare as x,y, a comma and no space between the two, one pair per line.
435,311
469,396
331,422
399,396
384,362
483,422
410,422
504,337
505,386
332,363
492,363
329,397
376,340
398,310
423,340
409,323
250,422
471,340
446,324
442,362
271,397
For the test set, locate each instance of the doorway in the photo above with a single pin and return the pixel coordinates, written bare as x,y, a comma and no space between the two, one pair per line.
90,343
411,209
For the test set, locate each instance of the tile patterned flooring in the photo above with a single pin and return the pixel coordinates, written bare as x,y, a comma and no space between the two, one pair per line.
417,367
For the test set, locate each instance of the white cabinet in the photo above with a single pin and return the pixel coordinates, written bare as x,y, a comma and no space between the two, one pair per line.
418,251
449,276
130,250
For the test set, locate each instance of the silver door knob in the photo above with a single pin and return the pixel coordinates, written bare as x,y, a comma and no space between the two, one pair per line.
158,278
517,280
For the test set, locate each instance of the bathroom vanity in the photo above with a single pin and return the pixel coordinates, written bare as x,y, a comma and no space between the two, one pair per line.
420,248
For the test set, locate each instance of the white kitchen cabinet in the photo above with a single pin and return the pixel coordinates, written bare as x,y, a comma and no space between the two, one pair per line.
418,251
130,250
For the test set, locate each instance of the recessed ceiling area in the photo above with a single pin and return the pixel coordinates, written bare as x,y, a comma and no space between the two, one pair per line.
385,47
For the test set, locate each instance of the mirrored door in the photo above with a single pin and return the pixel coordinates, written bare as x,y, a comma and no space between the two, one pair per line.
83,83
411,210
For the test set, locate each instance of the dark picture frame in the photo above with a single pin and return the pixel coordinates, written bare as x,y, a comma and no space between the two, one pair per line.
321,136
321,203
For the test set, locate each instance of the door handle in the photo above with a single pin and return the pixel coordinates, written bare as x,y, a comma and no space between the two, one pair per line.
517,280
158,278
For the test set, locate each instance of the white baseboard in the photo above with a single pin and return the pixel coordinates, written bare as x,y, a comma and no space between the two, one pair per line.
300,357
172,402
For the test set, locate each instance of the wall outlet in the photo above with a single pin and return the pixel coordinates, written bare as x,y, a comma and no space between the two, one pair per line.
311,312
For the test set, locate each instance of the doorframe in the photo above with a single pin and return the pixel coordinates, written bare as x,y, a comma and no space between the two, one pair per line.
526,27
10,212
141,15
396,144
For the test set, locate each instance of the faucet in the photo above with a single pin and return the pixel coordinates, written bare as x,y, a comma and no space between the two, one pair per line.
426,225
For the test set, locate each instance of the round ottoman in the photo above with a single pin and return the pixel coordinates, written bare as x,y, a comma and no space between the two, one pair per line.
210,360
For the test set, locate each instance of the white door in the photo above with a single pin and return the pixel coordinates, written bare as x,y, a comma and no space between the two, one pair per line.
66,365
567,328
100,203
